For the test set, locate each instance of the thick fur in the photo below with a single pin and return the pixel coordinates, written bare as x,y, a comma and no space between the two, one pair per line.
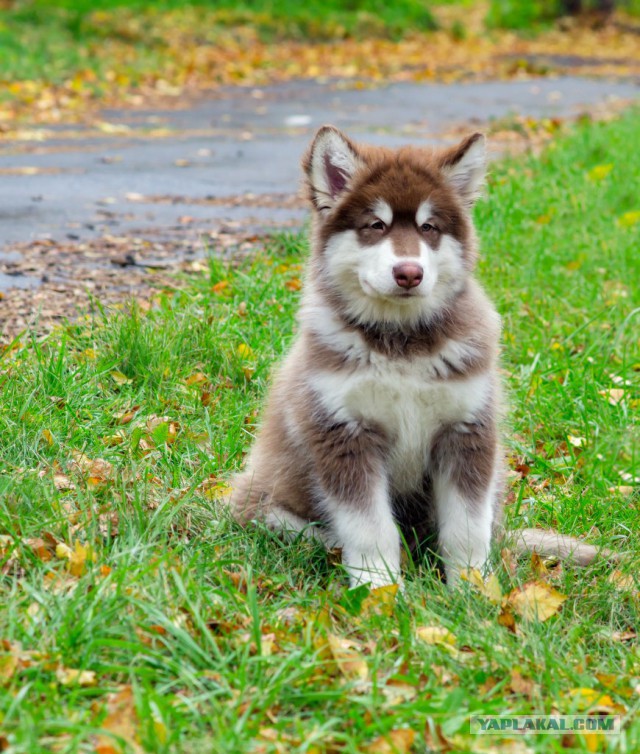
382,422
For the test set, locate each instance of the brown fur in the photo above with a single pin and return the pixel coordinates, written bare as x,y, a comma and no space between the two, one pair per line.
302,452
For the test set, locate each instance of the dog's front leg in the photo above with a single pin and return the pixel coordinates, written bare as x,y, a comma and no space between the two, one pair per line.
464,484
353,484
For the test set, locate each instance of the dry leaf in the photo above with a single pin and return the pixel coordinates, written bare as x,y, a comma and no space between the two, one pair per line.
436,635
244,352
613,395
77,557
295,284
535,601
396,741
521,685
599,172
119,378
75,677
489,587
379,601
122,722
348,659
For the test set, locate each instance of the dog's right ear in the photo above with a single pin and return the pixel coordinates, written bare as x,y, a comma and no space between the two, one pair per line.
330,163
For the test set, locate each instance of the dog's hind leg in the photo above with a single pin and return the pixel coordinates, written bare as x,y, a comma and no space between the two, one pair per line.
292,526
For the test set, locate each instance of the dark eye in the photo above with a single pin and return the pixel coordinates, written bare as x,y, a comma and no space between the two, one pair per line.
377,225
426,227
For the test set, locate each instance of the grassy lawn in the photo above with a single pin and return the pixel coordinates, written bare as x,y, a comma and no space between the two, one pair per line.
133,613
63,59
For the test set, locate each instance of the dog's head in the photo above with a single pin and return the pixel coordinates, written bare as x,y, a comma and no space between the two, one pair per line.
394,237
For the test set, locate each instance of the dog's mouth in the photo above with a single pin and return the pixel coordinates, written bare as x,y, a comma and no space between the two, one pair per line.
400,295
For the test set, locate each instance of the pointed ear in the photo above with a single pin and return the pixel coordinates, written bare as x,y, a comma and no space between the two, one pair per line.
464,167
330,164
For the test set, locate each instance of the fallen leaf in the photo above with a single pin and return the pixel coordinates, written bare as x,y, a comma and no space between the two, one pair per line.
75,677
295,284
521,685
489,587
77,557
348,658
535,601
436,635
599,172
119,378
614,395
629,219
629,635
244,352
379,601
397,741
121,722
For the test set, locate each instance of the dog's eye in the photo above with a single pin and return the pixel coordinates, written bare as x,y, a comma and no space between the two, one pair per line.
377,225
426,227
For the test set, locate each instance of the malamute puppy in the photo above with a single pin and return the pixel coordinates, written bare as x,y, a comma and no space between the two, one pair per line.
382,422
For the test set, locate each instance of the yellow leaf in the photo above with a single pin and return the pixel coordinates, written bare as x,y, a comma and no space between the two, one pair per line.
380,601
244,352
592,701
119,378
197,378
397,741
64,552
599,172
349,661
8,666
536,601
295,284
75,677
77,558
629,219
436,635
48,437
121,721
489,587
218,287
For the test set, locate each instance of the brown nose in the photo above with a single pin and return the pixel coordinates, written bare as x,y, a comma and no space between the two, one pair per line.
407,274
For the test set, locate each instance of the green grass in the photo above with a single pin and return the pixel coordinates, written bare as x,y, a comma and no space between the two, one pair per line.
55,41
536,15
221,634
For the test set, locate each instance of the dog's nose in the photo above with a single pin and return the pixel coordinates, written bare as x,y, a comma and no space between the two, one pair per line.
408,274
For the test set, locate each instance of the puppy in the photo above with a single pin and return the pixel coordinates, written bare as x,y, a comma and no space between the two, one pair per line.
382,422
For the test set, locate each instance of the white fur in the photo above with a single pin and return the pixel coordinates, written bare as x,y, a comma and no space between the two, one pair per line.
467,175
369,538
424,213
383,211
364,276
408,401
464,528
293,526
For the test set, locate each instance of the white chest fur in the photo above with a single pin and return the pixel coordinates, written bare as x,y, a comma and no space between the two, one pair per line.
406,399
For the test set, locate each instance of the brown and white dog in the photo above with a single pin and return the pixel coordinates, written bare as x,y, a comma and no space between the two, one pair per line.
382,422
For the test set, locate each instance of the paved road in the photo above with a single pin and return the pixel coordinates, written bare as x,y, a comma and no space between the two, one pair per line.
238,141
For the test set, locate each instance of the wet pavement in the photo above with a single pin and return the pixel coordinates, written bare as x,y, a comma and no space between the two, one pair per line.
232,160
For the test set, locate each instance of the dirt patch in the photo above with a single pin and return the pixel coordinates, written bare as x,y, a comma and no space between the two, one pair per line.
74,278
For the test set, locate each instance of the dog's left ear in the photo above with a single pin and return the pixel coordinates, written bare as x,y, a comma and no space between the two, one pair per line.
465,165
330,164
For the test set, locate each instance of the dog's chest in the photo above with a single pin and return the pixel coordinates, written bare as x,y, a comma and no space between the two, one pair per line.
409,403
